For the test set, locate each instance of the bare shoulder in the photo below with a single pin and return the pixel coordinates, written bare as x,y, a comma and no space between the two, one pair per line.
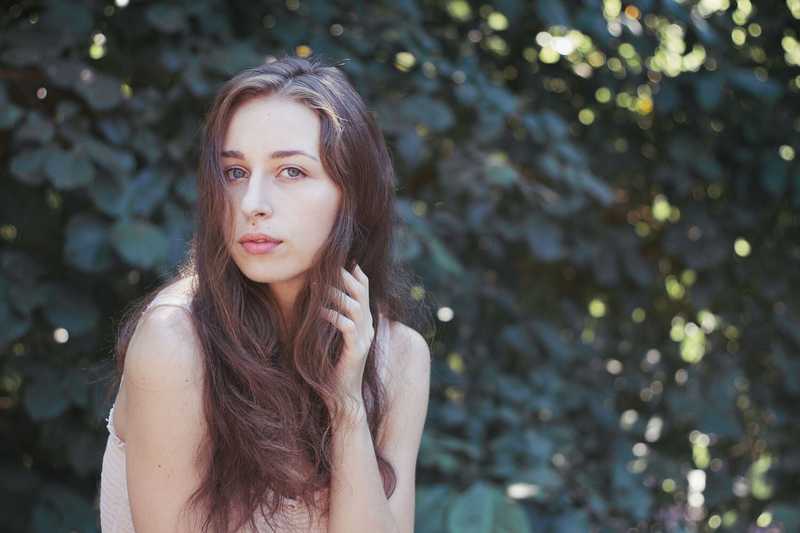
408,391
409,355
183,287
164,352
166,430
405,339
179,292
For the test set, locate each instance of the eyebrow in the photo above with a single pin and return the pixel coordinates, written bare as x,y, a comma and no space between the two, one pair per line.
278,154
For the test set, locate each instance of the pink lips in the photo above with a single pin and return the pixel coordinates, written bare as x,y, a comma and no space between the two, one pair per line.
260,247
259,243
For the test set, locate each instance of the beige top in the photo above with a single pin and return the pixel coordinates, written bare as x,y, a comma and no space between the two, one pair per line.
115,511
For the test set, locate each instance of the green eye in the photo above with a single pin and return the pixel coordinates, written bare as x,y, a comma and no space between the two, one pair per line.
297,176
229,169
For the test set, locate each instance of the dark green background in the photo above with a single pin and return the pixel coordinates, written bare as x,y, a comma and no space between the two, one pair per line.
601,198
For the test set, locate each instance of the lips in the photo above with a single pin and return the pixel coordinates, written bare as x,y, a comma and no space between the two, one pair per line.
263,247
259,238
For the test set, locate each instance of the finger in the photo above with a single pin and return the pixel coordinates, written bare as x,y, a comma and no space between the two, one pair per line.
361,276
347,304
355,287
342,323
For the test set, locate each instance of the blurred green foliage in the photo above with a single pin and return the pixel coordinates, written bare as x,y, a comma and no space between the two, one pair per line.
601,196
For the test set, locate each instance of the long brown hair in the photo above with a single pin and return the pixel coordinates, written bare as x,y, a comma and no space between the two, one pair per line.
269,383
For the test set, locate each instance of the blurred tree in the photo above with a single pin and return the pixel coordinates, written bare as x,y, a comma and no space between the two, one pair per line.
601,196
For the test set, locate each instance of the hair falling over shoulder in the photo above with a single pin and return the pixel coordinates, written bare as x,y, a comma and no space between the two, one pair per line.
266,382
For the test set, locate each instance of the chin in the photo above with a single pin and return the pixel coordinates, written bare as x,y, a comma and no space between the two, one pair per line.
264,271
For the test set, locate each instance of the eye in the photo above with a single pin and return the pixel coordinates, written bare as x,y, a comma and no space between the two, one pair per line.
296,176
225,173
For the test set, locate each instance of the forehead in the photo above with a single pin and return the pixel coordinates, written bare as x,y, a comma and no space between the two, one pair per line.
271,122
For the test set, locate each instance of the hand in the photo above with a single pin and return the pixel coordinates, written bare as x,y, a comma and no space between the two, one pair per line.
354,320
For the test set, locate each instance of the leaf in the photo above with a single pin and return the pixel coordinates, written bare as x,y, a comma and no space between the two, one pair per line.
516,336
179,228
555,126
115,128
544,478
108,195
544,239
145,192
509,515
412,148
596,188
746,79
576,521
433,113
502,175
28,166
195,79
491,125
472,511
115,160
66,110
484,508
501,98
552,340
9,115
66,73
430,508
36,127
87,246
30,48
68,170
70,17
539,446
442,258
101,91
139,243
235,55
186,188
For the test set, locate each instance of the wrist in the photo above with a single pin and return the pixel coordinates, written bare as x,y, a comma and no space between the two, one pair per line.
351,411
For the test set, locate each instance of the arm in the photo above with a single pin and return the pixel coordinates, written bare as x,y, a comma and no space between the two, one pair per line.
164,421
358,501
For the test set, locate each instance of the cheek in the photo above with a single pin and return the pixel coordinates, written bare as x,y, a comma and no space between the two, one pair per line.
328,209
326,201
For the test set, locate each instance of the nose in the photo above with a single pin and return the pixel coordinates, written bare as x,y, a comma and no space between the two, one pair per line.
254,202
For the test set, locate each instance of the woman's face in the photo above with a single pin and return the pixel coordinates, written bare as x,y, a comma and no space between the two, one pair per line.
277,186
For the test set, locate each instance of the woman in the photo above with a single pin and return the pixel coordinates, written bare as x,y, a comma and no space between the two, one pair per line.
271,385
